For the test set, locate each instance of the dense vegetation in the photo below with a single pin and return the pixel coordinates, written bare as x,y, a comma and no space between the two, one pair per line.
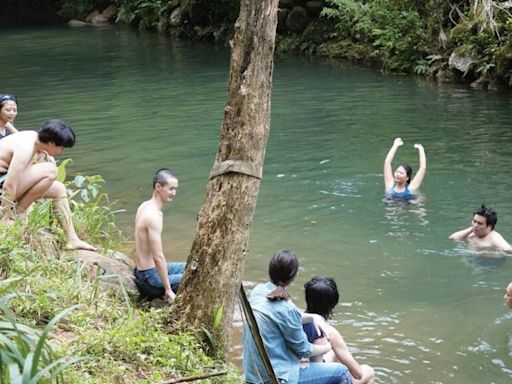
96,335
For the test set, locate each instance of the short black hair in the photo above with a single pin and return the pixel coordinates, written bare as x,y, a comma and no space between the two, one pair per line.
162,175
57,132
491,216
321,296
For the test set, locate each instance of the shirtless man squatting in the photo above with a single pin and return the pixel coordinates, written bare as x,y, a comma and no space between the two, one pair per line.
28,173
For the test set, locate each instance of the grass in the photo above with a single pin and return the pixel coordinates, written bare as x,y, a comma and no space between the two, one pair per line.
89,335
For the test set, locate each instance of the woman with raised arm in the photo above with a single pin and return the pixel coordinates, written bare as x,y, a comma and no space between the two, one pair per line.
280,327
8,112
399,184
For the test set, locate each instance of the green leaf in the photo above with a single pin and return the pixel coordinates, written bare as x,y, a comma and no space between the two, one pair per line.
61,170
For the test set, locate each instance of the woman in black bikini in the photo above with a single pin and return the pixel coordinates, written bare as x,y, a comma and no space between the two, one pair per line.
8,112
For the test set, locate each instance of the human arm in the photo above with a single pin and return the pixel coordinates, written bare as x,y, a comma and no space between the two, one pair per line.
388,171
317,320
154,228
418,178
500,243
11,128
343,355
461,235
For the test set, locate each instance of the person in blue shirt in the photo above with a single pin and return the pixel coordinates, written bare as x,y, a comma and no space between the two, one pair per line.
401,184
280,325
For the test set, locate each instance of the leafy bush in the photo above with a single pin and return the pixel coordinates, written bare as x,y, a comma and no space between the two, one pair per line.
26,357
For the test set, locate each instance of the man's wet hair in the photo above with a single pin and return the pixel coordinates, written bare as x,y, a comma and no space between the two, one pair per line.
57,132
490,215
321,296
162,175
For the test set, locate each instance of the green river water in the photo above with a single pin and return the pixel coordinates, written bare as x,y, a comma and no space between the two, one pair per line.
414,305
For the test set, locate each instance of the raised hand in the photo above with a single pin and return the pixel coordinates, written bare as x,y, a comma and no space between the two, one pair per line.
398,142
418,146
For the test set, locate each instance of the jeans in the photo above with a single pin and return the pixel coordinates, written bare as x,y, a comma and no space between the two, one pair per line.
325,373
149,282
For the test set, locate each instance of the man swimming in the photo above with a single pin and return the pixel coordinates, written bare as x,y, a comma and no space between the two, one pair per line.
481,233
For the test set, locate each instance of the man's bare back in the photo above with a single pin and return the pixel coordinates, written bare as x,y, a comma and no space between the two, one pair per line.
23,143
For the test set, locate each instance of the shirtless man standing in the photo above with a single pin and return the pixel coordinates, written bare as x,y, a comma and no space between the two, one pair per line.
153,275
28,172
481,234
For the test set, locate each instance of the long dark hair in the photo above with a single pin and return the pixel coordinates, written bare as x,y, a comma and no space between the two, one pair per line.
408,171
282,269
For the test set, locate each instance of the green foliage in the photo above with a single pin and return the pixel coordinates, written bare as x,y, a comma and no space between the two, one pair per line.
393,33
93,215
122,343
26,356
79,8
145,14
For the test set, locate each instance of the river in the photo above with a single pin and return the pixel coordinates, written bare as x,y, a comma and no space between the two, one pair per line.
416,306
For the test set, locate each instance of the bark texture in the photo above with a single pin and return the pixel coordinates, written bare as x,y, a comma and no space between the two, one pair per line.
215,265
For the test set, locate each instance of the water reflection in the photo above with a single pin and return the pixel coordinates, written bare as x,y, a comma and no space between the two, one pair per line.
400,214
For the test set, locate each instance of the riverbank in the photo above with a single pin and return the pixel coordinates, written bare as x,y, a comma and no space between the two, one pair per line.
115,337
462,41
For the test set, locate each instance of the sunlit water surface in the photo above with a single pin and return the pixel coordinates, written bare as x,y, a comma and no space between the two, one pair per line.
417,307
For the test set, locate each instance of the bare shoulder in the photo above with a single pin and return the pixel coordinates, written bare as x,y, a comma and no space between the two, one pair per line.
334,334
148,214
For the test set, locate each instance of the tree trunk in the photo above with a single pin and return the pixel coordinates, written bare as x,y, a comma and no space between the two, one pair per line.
215,266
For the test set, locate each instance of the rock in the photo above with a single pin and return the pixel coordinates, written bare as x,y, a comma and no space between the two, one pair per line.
110,11
176,17
96,18
91,15
112,270
461,61
297,20
77,23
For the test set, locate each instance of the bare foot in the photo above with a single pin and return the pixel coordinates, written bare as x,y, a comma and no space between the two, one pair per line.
79,244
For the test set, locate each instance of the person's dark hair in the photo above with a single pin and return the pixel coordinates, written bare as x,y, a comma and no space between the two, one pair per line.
57,132
408,171
490,215
282,269
4,98
321,296
161,176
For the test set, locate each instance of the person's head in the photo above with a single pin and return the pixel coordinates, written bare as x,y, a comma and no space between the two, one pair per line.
165,184
508,295
484,220
282,270
403,174
8,108
56,135
321,296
